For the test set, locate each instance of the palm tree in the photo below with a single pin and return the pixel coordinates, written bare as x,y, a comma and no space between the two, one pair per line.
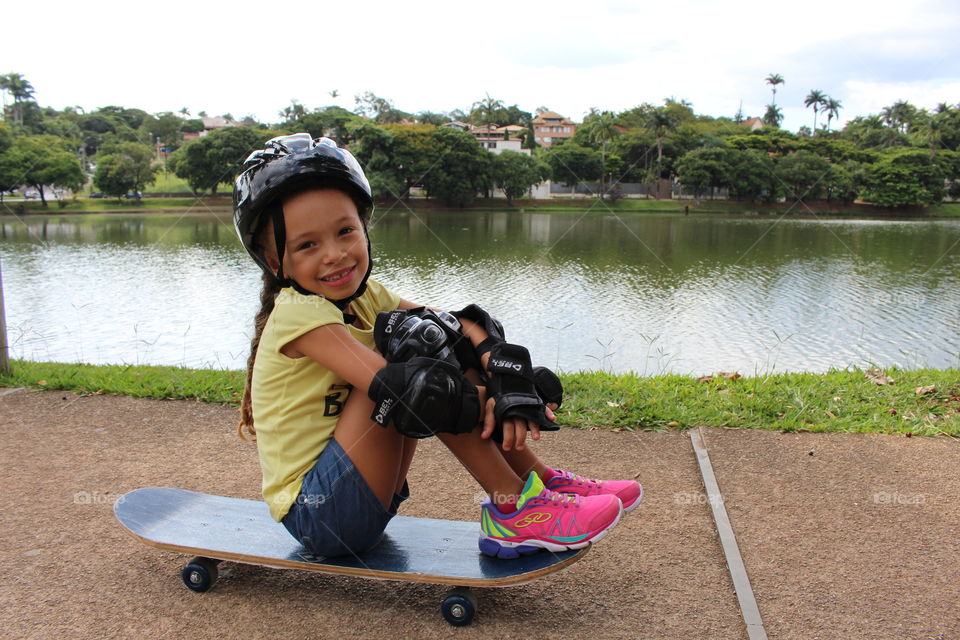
486,111
20,89
931,131
773,117
773,80
662,123
601,128
900,116
832,108
815,99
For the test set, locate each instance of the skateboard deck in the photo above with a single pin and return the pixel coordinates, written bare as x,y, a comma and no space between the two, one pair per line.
413,549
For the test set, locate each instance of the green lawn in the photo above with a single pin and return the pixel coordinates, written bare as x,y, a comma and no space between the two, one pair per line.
837,401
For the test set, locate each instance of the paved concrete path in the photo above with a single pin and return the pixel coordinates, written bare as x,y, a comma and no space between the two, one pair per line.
858,540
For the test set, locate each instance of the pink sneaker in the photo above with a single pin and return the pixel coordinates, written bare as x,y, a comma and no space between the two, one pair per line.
629,491
548,520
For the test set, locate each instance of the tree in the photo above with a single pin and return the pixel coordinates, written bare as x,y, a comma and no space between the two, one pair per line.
486,111
429,117
706,168
907,178
832,108
461,169
395,157
516,173
374,149
773,116
752,176
378,109
123,168
216,158
901,115
872,133
662,123
636,148
45,161
839,184
331,121
133,118
20,89
767,140
570,163
600,128
6,137
415,149
803,174
293,112
773,80
10,172
166,126
815,99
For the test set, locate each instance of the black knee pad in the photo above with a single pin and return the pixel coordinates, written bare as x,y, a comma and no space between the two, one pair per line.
424,397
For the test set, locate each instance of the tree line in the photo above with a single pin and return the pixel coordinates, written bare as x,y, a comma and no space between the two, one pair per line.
904,156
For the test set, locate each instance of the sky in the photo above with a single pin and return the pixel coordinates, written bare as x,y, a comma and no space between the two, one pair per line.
254,58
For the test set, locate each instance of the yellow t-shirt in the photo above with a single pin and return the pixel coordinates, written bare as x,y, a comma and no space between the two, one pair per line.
297,401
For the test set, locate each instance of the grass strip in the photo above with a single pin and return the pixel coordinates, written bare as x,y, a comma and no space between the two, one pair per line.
847,401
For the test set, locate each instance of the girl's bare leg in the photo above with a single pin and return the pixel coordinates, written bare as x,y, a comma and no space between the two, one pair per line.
409,448
523,461
381,455
483,459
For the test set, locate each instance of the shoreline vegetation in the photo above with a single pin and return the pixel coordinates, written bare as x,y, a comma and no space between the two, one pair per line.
206,204
922,402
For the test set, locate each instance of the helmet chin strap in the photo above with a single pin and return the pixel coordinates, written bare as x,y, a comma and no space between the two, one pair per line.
280,235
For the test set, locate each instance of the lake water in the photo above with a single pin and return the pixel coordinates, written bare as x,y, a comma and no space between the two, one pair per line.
644,293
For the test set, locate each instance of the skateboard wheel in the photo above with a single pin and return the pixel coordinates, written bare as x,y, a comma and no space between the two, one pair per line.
199,574
459,607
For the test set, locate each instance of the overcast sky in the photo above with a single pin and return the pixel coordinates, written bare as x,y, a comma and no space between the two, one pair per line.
255,57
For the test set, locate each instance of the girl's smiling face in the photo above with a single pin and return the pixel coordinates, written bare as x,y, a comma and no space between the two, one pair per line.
326,244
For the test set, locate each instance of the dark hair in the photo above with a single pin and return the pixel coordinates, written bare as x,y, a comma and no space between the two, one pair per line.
268,295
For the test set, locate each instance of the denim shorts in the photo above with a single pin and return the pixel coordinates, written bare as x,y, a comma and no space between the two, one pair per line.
337,513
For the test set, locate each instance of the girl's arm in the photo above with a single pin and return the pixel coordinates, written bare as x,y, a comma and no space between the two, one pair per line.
332,346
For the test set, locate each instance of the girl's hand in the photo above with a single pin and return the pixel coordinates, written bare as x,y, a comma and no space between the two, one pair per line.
514,430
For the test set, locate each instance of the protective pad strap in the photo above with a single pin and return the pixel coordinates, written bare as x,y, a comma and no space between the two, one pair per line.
511,383
490,324
548,385
424,397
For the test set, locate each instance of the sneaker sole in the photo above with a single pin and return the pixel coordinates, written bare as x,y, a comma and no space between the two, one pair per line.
635,503
506,550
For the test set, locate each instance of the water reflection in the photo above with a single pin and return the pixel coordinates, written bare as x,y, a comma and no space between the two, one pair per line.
645,293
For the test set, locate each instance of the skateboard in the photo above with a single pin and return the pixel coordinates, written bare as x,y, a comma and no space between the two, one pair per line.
218,528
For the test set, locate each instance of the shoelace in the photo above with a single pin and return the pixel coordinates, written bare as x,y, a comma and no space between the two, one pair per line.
580,480
565,499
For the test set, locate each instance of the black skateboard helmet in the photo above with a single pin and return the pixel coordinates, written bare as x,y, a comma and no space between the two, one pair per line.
286,165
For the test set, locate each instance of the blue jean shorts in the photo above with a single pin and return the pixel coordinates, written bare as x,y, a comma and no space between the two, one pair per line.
337,513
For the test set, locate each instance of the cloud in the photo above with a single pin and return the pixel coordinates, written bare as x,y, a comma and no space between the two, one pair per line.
872,97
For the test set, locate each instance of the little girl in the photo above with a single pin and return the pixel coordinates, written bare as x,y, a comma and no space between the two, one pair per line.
344,376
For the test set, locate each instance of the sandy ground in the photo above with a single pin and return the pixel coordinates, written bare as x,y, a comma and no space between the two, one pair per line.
858,540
